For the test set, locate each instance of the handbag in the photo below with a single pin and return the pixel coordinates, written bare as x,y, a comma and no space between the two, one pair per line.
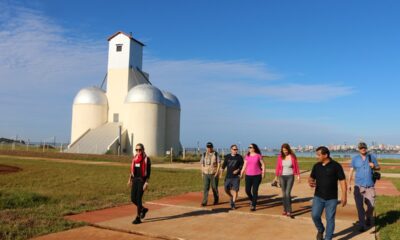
375,174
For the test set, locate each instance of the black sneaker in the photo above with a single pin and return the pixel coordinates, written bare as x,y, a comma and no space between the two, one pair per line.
252,208
216,202
320,235
233,206
143,213
137,221
203,204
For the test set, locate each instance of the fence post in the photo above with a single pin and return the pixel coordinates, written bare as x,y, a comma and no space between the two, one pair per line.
44,144
171,154
184,153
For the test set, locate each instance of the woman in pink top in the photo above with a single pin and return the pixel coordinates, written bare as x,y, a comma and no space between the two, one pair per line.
286,168
254,168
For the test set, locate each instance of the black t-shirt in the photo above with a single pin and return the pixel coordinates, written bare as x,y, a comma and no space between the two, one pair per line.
327,179
137,171
232,163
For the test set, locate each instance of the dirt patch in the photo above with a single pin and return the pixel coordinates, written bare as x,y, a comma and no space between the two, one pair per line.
4,169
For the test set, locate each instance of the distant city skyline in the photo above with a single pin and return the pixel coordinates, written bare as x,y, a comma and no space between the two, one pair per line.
307,73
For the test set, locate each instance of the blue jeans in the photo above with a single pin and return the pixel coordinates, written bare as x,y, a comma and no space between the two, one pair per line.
318,206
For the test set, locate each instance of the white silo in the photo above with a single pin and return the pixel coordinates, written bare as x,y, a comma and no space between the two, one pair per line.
172,122
89,111
145,118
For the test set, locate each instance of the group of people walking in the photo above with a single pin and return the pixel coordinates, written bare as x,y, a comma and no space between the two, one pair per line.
324,177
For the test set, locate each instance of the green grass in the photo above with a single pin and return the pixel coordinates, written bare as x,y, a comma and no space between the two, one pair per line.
388,215
397,170
34,201
384,160
77,156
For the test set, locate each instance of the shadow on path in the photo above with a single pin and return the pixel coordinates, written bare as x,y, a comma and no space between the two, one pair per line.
189,214
349,233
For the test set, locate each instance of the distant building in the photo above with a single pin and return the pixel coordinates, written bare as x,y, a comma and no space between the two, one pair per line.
130,111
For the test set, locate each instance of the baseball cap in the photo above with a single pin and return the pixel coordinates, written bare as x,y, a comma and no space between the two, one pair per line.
362,145
210,145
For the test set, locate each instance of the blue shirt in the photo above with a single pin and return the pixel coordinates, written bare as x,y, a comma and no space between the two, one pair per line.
363,170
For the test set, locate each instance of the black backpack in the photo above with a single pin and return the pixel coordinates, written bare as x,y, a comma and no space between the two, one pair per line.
375,174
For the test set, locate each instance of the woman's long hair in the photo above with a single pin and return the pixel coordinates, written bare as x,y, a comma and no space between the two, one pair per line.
286,146
256,149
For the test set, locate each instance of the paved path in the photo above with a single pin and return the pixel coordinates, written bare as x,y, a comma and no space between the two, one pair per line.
181,217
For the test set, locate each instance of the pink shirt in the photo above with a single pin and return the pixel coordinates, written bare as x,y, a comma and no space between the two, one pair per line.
253,165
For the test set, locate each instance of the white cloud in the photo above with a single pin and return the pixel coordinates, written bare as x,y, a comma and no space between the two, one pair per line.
242,78
41,69
35,51
306,93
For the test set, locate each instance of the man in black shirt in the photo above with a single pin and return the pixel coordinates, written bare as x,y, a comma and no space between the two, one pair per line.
233,163
324,177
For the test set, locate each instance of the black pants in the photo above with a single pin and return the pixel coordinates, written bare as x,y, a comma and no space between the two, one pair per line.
252,184
137,194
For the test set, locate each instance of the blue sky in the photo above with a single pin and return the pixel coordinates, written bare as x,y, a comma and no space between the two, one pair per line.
304,72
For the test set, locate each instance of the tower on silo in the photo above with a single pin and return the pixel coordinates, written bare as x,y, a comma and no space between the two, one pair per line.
124,71
130,111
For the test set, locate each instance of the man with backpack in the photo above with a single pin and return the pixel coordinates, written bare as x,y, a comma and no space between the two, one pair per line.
364,188
210,168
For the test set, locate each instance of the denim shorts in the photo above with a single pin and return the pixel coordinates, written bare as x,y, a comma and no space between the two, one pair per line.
232,184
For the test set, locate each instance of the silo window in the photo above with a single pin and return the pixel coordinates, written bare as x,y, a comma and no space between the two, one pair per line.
119,47
116,117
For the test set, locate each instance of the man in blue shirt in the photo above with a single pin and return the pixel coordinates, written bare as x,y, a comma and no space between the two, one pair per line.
364,190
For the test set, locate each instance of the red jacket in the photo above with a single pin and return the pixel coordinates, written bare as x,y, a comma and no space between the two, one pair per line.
278,170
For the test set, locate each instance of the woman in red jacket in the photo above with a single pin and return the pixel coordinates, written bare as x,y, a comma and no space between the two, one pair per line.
286,168
138,179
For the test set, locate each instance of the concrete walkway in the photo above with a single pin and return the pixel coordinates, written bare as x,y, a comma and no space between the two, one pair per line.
181,217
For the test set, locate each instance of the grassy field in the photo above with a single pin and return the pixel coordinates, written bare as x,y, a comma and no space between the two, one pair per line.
388,215
34,201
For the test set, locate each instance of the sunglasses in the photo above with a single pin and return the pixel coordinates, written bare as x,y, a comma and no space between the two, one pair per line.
234,149
138,150
250,147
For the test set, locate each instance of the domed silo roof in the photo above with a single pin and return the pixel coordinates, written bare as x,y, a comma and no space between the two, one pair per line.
91,95
145,93
171,100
